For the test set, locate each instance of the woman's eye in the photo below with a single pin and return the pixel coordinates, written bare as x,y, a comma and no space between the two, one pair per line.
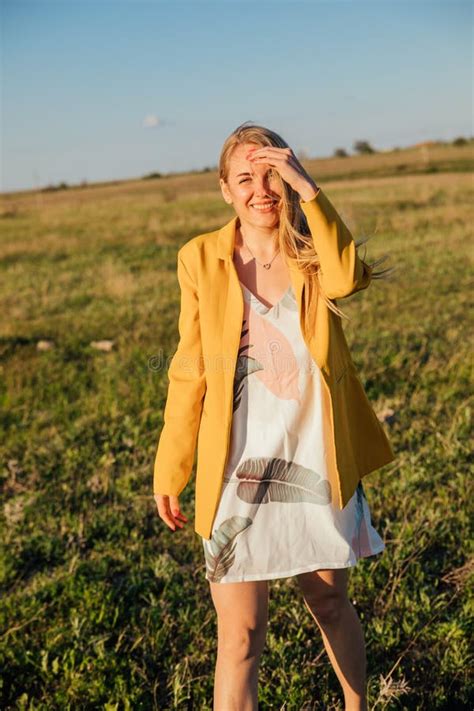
271,174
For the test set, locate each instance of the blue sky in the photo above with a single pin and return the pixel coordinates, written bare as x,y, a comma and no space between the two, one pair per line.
116,89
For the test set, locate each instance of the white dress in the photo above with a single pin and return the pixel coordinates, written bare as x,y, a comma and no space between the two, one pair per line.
275,518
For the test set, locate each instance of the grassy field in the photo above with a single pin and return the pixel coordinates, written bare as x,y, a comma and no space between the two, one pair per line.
102,606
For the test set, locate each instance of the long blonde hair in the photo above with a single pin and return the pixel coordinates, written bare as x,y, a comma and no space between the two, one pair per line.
294,235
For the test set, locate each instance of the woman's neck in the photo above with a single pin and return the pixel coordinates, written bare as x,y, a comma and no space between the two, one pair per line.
262,241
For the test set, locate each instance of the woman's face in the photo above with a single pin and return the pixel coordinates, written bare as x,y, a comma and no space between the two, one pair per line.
250,185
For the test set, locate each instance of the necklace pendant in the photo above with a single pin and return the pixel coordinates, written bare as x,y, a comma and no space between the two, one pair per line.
266,266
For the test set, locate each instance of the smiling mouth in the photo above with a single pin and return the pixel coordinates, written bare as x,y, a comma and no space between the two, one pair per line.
265,206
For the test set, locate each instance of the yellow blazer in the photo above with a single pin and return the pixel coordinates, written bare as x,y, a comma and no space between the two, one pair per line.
199,402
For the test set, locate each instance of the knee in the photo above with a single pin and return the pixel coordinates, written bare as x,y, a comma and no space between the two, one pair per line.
242,643
327,608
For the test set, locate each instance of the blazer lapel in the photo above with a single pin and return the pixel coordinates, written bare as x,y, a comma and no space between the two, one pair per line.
234,305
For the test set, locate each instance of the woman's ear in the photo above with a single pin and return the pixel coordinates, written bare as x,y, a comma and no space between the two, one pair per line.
225,191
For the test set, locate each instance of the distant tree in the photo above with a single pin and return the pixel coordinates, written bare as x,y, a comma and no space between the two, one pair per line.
460,141
340,153
363,147
54,188
152,176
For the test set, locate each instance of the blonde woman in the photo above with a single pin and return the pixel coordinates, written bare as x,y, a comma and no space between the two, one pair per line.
263,383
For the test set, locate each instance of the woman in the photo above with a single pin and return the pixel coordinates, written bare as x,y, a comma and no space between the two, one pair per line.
263,380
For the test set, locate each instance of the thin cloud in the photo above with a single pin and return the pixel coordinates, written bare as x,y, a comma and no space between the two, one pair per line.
151,121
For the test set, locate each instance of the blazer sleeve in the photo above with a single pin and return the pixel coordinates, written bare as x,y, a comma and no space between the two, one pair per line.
187,386
342,271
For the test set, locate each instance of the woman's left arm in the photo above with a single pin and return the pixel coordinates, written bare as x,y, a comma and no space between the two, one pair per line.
342,271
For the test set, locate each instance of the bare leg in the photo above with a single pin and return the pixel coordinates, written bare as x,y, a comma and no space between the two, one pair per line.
242,618
325,596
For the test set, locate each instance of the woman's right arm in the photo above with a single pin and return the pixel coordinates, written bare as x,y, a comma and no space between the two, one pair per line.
187,386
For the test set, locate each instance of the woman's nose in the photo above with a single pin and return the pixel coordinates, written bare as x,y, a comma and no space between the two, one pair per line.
262,185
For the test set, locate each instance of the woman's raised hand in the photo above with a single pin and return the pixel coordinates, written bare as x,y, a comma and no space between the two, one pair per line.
288,166
169,510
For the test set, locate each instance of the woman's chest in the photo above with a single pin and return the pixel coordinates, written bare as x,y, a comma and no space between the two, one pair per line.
267,284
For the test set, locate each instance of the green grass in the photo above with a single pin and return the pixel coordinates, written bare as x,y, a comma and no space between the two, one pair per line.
102,606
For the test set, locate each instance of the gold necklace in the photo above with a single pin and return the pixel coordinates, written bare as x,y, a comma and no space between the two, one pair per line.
265,265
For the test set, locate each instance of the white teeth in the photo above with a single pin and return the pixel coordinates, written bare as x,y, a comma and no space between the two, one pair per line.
263,207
